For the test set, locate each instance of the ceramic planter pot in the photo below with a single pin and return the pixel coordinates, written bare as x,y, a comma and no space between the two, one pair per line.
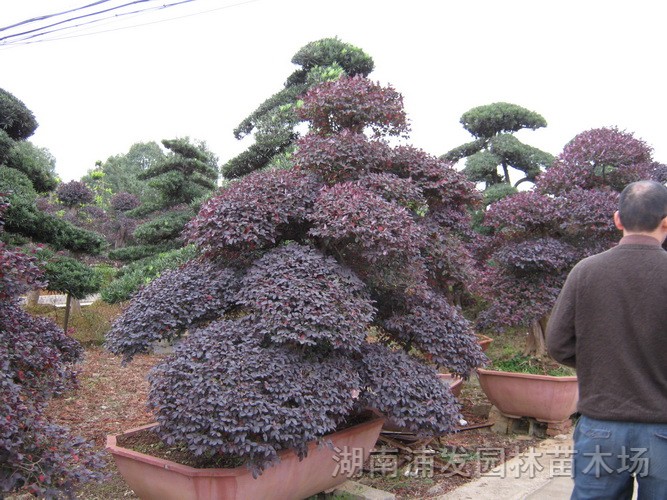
484,341
455,383
153,478
543,397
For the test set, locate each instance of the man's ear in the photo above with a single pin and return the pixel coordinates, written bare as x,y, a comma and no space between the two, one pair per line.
617,220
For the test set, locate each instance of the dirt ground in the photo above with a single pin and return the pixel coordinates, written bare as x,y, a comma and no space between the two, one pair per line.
112,398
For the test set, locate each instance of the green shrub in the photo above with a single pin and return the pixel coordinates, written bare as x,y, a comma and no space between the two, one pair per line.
25,219
140,274
165,227
138,252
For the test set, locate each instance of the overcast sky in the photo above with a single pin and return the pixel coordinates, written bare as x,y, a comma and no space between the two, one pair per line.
580,64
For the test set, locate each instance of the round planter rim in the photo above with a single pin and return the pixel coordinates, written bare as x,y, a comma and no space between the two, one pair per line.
554,378
115,449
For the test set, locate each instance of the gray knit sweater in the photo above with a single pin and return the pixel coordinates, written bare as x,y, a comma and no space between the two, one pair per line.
610,323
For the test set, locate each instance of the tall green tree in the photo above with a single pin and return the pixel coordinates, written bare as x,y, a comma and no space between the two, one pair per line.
120,173
495,149
274,121
186,175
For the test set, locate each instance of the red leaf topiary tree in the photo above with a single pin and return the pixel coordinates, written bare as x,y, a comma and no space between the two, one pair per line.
316,294
538,236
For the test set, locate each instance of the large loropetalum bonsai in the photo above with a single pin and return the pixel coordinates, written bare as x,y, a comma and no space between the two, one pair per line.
36,363
315,295
537,236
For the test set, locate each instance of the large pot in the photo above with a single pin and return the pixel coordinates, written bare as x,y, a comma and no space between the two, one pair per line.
544,397
154,478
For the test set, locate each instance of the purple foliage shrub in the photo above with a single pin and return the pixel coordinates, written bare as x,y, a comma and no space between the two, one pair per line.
328,305
600,157
240,397
354,104
36,363
123,202
74,193
156,313
538,236
281,201
329,293
341,157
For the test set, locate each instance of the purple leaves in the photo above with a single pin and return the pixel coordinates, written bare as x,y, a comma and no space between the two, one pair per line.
74,193
300,296
36,363
179,299
599,157
224,392
323,254
255,212
354,104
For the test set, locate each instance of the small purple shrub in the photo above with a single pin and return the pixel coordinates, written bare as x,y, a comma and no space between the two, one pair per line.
74,193
123,202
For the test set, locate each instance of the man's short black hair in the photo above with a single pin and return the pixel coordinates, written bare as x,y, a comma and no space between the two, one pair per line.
642,205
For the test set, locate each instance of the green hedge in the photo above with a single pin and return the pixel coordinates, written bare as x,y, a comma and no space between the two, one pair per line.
140,274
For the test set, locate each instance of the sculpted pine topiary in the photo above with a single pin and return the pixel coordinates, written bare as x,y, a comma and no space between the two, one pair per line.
274,122
536,237
315,295
496,150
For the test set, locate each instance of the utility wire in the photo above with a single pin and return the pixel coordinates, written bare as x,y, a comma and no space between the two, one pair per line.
47,16
85,23
76,18
10,44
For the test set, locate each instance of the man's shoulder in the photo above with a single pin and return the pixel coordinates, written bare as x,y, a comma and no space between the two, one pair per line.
622,254
598,258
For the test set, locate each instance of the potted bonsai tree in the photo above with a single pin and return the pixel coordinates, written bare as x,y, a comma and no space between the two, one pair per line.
315,297
535,239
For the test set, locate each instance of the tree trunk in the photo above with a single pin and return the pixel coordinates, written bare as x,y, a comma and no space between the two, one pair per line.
536,343
32,298
75,307
68,303
506,171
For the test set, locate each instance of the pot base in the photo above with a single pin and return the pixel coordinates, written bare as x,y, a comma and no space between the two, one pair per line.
154,478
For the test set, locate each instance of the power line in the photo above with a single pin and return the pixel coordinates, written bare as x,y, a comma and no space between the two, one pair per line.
27,41
114,17
74,19
47,16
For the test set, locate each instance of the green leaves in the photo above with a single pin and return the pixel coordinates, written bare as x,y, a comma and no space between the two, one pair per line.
15,118
68,275
491,119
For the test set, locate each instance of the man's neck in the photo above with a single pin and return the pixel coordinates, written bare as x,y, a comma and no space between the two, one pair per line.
657,235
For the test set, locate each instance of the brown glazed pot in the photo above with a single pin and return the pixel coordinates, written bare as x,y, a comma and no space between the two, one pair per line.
543,397
153,478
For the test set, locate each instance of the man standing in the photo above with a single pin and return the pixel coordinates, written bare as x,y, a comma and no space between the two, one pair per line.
610,323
